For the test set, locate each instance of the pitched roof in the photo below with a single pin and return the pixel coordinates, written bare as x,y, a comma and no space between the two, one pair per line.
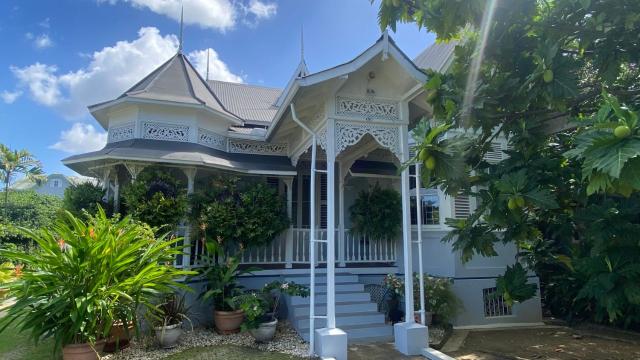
176,80
252,103
437,56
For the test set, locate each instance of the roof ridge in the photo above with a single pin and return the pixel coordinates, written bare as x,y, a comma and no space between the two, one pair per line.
158,71
244,84
206,84
189,82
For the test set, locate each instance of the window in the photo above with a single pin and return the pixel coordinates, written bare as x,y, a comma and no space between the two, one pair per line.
494,304
430,207
302,203
55,184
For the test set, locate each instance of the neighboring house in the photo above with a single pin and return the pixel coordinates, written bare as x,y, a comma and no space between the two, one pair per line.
361,113
55,184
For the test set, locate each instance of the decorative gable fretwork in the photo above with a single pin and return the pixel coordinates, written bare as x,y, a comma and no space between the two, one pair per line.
161,131
348,133
367,109
122,132
257,147
212,140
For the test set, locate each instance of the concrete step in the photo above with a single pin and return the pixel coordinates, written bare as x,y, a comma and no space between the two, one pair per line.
368,332
367,318
354,287
322,279
341,308
321,298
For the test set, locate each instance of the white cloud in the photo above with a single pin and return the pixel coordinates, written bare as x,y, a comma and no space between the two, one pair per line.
80,138
262,10
215,14
46,23
110,72
218,70
9,97
41,81
41,41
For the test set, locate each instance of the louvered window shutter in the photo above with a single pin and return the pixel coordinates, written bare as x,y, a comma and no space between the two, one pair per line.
461,207
495,155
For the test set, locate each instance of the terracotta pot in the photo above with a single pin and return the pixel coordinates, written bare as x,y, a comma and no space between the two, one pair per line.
228,322
119,337
168,335
82,351
428,317
265,332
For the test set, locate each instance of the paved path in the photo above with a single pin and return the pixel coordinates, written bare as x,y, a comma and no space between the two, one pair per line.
377,351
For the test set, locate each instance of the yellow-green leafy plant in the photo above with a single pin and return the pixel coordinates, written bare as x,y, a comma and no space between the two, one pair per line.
88,274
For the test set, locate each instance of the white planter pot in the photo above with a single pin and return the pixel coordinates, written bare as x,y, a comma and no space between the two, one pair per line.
265,332
168,335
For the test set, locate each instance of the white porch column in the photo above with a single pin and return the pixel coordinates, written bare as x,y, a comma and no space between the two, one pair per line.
331,225
186,257
341,229
116,194
288,255
410,338
331,342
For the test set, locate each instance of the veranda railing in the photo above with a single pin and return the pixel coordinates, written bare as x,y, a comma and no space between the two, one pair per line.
356,249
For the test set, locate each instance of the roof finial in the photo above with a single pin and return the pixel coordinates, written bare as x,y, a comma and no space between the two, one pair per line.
181,26
302,43
207,77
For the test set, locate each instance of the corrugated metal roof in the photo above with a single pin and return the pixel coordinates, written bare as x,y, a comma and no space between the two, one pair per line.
252,103
176,80
437,56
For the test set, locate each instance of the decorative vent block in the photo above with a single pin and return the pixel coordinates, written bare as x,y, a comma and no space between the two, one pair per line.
211,139
259,148
367,108
494,304
161,131
120,133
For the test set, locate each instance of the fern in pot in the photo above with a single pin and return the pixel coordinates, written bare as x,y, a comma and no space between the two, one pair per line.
168,320
261,308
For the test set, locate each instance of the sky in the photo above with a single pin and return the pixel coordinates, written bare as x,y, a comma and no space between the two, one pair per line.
60,56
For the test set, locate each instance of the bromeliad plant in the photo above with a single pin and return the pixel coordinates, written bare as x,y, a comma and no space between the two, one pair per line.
88,274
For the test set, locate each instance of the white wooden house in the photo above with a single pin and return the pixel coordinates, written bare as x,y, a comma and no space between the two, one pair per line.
321,140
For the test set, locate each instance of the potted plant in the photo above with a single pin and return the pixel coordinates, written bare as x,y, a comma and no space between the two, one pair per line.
428,316
441,302
85,275
394,291
168,319
261,308
223,288
120,334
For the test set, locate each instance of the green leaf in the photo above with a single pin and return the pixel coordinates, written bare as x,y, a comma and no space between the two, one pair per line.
514,285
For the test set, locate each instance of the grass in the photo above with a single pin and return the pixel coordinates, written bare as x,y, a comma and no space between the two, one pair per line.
229,352
15,345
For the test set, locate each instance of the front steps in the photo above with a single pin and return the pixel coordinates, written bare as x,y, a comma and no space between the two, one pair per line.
355,313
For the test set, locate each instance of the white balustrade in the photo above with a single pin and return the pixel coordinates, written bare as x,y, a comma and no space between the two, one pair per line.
357,249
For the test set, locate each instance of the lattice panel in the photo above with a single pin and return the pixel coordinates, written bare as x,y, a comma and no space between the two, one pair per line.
160,131
367,108
260,148
211,139
120,133
348,134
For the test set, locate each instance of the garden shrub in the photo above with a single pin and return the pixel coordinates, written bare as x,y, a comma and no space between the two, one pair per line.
239,215
27,209
157,198
377,213
84,197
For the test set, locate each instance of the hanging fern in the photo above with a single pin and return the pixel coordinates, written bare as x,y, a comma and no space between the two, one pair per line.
377,213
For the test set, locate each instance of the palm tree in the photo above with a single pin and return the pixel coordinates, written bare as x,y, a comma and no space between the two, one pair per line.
14,162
